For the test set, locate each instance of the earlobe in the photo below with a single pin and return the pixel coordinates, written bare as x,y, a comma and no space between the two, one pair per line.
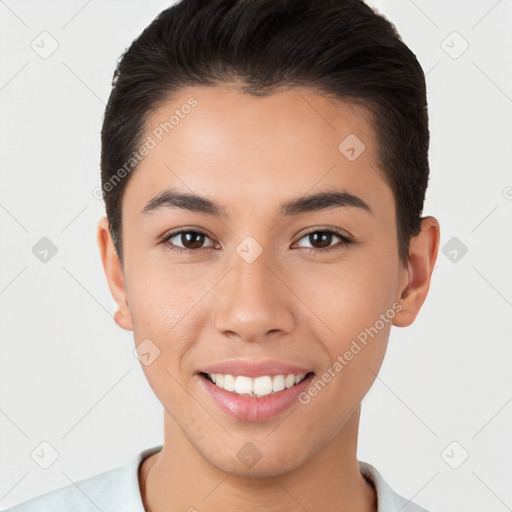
423,252
114,274
122,321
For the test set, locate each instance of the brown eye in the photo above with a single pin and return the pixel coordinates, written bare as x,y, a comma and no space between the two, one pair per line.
321,240
187,240
192,240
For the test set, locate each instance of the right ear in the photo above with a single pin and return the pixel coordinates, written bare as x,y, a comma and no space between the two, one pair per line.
114,273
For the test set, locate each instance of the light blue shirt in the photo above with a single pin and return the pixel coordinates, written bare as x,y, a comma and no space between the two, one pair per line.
117,490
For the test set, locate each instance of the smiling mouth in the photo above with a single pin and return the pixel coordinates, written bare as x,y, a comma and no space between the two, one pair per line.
255,387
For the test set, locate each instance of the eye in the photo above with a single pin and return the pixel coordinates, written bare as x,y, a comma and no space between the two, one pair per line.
191,240
321,240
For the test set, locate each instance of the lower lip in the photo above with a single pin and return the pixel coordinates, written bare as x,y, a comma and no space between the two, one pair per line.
247,408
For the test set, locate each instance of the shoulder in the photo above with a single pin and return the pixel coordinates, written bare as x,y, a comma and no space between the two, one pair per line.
110,491
387,499
87,495
84,496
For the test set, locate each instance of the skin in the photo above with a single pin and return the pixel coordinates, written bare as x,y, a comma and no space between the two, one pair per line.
251,154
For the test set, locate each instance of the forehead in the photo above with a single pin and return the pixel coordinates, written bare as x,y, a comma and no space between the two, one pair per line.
223,143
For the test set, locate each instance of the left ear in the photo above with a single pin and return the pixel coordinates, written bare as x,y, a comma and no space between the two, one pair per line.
423,250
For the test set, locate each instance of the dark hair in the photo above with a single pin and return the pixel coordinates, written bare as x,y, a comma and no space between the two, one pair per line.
341,48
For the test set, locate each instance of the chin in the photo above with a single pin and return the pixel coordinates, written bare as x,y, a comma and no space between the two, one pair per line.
249,461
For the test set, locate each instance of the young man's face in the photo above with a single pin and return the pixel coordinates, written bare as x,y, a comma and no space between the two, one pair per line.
258,288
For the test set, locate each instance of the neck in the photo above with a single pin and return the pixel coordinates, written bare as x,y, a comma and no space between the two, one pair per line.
179,478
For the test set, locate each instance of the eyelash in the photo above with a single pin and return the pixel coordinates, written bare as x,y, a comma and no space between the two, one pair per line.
310,250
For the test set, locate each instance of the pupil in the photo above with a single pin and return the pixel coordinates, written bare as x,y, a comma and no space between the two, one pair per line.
190,236
325,238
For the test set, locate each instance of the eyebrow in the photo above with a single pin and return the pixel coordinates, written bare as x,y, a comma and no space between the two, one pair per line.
171,198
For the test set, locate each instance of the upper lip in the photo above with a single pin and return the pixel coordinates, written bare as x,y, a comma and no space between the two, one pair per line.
254,369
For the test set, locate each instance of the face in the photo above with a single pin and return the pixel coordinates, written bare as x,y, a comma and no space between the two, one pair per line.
253,288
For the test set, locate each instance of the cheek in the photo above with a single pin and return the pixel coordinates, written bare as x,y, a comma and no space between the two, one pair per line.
165,304
162,309
352,304
345,298
356,350
161,296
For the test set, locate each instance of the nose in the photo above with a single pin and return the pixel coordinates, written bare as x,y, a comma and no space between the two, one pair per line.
253,304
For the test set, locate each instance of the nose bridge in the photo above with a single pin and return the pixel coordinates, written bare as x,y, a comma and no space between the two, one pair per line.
251,302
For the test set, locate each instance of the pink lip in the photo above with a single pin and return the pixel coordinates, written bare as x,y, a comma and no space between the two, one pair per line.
254,369
247,408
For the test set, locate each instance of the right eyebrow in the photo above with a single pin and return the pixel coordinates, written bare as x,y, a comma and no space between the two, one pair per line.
170,198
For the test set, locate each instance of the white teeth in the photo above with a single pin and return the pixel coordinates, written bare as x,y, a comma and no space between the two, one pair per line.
289,381
229,383
243,385
260,386
278,383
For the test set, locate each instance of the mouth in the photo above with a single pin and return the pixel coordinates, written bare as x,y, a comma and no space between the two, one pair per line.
254,399
261,386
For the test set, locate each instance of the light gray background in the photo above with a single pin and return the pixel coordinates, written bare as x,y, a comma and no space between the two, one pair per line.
68,373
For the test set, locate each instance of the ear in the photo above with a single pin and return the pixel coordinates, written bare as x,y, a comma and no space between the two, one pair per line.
423,250
114,273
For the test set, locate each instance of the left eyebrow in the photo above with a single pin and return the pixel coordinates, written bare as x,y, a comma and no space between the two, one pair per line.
170,198
324,200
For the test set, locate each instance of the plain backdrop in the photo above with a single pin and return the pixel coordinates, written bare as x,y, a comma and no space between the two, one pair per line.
437,421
